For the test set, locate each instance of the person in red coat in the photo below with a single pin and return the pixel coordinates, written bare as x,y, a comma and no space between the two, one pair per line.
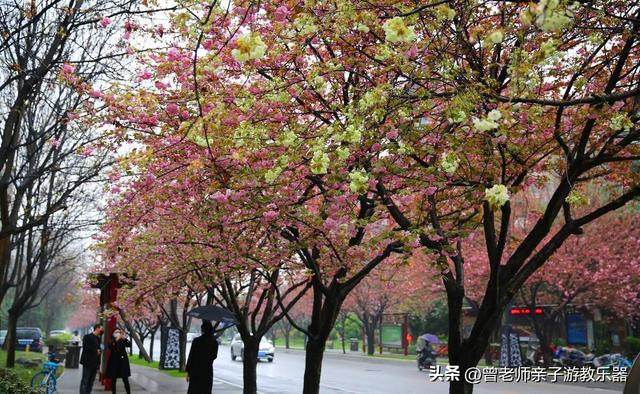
118,366
199,368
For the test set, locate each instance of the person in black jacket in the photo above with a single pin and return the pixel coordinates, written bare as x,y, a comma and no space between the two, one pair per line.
204,349
118,365
90,358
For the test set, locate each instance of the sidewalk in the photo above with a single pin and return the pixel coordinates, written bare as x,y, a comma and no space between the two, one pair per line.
142,380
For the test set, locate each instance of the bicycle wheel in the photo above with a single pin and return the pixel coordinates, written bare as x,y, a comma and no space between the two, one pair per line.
51,384
39,381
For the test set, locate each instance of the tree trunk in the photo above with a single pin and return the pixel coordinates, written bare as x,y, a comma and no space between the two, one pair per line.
457,351
183,349
141,350
135,337
152,340
313,365
545,347
466,353
287,335
370,332
5,260
11,340
249,364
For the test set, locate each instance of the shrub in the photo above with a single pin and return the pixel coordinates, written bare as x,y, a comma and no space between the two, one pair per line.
632,346
58,341
11,383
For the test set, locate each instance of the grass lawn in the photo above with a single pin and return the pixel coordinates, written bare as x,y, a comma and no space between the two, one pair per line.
154,364
26,374
294,343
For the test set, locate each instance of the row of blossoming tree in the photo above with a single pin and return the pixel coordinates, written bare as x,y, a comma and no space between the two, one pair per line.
279,148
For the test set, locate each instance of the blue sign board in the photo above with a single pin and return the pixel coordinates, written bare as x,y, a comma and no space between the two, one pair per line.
576,329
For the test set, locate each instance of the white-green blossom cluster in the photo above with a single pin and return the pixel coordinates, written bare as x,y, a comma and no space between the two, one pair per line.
396,31
490,122
319,162
549,15
359,181
620,121
449,162
576,199
495,37
496,196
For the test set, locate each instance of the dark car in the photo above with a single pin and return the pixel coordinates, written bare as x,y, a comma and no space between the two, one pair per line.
29,336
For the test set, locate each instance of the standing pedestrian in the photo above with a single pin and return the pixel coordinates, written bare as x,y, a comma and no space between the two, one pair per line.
90,358
118,365
204,349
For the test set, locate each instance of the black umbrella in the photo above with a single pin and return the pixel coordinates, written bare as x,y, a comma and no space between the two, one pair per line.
214,313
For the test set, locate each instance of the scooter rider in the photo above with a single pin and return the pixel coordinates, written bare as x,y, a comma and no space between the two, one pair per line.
425,352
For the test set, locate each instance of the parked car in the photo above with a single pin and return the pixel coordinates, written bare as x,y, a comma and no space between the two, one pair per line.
265,351
54,333
3,335
29,336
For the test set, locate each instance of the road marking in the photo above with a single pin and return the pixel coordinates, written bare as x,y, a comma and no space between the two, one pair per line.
224,381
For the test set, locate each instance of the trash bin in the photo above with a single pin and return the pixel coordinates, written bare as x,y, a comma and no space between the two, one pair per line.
354,344
72,359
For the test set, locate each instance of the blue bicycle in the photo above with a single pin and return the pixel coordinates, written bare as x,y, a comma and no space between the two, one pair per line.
45,380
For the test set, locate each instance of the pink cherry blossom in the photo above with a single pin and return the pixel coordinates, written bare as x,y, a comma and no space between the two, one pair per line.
282,13
172,109
105,21
95,93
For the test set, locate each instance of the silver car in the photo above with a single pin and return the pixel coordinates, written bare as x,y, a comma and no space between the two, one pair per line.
265,351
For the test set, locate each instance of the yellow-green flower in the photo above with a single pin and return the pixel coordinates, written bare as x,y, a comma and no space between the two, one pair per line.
495,37
444,12
271,175
620,121
359,181
484,124
288,138
576,199
353,134
396,31
449,162
362,28
457,116
550,15
497,196
343,153
319,162
488,123
249,46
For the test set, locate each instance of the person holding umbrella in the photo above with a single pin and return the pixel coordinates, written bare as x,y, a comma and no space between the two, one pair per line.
199,368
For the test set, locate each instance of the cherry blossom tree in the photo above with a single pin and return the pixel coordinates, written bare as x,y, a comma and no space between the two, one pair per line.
606,279
386,290
355,130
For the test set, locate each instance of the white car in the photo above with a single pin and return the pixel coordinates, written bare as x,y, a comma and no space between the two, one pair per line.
266,349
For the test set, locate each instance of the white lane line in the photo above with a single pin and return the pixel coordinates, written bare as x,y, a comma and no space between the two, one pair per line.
234,384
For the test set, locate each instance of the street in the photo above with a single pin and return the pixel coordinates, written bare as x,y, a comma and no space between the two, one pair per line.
353,374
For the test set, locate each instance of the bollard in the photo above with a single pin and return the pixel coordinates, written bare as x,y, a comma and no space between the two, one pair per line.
26,349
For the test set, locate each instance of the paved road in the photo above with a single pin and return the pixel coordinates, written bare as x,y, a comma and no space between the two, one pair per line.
356,375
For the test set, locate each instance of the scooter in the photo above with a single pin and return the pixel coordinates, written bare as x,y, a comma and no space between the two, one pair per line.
426,357
534,357
569,357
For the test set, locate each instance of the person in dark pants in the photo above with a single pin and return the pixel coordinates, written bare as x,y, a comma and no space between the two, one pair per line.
204,349
118,366
90,358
